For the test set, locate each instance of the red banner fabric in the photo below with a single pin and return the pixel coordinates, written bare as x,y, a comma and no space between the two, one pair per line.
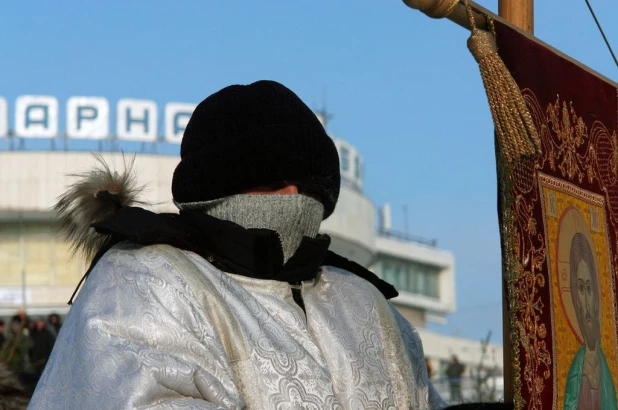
559,221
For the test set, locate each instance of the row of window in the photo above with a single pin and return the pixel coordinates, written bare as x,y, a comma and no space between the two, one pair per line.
412,277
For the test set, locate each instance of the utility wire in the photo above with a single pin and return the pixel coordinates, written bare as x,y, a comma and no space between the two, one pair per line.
602,33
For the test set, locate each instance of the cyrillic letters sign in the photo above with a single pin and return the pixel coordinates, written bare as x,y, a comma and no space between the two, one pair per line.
36,116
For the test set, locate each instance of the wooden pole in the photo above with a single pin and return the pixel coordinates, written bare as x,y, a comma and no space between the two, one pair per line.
454,10
518,12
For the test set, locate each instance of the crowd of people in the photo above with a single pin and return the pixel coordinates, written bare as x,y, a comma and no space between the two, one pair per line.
26,344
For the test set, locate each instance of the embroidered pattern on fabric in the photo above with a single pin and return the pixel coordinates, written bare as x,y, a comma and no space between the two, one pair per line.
572,149
156,326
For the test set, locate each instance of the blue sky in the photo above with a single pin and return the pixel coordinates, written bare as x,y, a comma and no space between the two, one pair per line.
403,89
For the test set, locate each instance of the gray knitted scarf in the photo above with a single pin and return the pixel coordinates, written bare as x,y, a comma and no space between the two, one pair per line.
291,216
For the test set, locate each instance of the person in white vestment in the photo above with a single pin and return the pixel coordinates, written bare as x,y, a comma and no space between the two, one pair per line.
235,302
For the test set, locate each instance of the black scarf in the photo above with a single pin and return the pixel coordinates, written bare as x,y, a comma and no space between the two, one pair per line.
254,253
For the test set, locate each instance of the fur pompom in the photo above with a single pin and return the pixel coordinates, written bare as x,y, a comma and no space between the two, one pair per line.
95,196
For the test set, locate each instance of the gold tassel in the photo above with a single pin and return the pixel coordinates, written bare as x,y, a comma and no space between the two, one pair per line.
514,127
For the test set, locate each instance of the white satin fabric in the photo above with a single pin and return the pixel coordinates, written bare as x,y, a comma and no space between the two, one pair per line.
160,328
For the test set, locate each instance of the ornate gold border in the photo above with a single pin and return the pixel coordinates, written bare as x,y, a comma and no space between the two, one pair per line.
571,189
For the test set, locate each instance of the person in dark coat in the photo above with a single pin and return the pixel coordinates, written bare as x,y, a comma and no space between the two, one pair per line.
54,321
42,345
2,336
14,351
454,372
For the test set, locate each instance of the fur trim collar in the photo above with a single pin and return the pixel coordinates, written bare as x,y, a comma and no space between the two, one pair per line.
96,195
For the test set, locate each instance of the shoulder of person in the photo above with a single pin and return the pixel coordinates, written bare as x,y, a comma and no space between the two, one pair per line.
339,262
154,267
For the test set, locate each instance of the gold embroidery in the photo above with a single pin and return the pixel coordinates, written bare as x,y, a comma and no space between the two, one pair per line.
570,131
563,134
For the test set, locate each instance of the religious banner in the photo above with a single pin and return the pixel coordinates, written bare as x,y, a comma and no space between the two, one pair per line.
559,226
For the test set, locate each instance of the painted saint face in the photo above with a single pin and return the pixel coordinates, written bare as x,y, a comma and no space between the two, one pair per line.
586,295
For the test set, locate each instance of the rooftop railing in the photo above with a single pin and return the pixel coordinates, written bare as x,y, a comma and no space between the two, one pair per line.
406,237
112,144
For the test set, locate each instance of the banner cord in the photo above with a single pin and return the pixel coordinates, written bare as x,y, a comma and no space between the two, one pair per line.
602,32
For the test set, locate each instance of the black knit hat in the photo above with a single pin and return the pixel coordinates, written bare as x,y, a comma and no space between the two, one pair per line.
246,136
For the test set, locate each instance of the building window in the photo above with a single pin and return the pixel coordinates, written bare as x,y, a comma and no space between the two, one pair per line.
433,287
412,274
402,277
390,275
357,167
421,283
345,159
